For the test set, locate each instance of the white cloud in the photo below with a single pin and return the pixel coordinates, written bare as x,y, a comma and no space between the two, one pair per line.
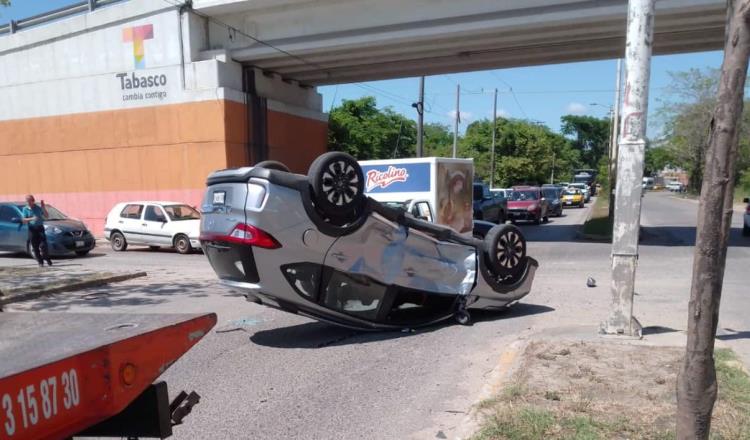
465,116
502,113
576,108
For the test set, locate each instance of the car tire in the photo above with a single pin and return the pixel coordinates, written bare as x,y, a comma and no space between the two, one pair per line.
338,185
117,241
505,250
545,219
273,165
154,248
82,253
537,220
182,244
746,231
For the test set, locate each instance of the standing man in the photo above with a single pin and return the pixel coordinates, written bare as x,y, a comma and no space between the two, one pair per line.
34,216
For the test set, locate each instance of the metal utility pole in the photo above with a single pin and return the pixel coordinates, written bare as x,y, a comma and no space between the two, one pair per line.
456,120
615,139
492,155
696,382
632,147
420,118
552,176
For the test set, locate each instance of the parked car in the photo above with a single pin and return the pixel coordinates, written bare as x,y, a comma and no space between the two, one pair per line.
552,194
421,210
153,224
573,197
65,236
527,203
584,190
487,206
746,225
675,186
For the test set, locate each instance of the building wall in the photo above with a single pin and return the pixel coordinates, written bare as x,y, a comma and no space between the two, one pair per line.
82,135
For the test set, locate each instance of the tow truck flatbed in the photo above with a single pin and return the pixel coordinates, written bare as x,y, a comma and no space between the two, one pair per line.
61,373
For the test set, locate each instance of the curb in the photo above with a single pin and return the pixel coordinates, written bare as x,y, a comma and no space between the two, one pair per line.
591,237
26,295
498,377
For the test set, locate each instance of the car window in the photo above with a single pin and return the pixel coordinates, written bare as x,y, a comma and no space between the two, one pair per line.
422,211
182,212
132,211
7,213
154,214
550,194
571,192
524,195
353,294
478,193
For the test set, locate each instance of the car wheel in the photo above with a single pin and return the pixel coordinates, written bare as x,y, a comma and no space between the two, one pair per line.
272,165
746,231
537,220
462,317
82,253
117,241
505,249
154,248
182,244
546,219
582,205
338,186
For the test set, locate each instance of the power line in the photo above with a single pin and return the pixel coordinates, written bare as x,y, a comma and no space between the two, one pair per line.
515,98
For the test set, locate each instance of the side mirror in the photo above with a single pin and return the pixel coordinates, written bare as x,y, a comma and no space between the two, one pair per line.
16,220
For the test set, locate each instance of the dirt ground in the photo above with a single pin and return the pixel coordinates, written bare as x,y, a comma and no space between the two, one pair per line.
590,390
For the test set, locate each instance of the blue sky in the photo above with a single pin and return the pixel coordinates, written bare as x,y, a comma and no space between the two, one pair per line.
542,93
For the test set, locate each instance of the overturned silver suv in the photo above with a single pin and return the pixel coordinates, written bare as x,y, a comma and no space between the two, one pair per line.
315,245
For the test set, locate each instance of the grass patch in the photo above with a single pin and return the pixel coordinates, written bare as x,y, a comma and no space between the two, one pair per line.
641,406
599,223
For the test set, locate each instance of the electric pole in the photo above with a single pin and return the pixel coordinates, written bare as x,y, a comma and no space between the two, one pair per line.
613,144
552,176
456,120
631,154
420,118
494,129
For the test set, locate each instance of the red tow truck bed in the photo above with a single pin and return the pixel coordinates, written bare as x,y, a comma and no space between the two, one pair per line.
61,373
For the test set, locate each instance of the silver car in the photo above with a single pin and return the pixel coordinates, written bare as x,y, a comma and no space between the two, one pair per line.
317,246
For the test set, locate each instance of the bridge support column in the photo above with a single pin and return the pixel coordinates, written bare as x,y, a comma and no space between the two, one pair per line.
632,148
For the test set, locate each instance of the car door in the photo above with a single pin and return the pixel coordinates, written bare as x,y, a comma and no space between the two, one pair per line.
129,222
13,235
155,229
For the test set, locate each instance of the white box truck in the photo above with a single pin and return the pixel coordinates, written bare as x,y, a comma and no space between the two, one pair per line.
435,189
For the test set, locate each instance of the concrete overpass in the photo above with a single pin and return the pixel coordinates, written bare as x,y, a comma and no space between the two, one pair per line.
340,41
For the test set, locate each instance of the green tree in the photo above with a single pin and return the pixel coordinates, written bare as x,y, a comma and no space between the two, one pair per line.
359,128
657,158
525,152
590,136
438,140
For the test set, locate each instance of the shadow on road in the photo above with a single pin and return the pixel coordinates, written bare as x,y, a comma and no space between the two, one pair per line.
735,335
314,335
684,236
125,294
657,330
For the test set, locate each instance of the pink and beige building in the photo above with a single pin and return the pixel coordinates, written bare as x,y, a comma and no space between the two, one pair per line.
130,102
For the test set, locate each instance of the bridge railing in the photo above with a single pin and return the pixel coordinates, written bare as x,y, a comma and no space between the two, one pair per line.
81,7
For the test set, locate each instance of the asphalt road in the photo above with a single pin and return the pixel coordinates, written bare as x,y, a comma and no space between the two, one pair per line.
265,374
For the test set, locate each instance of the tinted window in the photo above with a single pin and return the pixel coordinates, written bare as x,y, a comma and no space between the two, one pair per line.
353,294
550,193
7,213
154,214
478,193
132,211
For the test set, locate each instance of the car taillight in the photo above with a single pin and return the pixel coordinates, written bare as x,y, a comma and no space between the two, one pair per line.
246,234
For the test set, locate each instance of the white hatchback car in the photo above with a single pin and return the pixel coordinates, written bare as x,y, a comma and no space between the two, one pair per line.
154,224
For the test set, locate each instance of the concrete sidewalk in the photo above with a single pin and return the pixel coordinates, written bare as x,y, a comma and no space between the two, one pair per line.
25,283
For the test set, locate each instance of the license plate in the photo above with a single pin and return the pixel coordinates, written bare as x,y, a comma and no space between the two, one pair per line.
219,197
80,243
